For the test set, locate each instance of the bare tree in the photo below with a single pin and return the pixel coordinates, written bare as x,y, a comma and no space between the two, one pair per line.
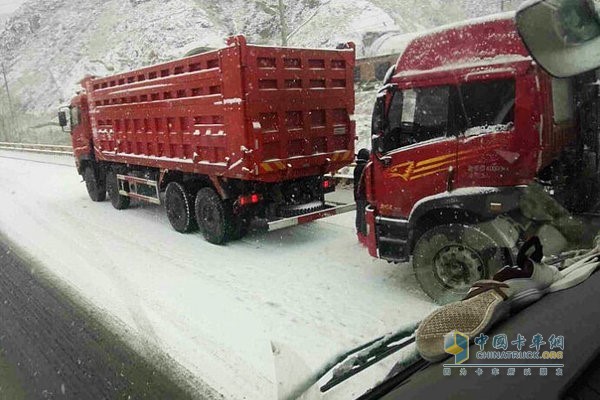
278,11
282,22
8,120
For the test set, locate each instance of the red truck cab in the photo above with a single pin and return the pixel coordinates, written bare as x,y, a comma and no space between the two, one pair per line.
466,120
81,132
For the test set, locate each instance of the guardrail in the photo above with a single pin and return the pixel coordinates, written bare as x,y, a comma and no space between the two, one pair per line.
37,148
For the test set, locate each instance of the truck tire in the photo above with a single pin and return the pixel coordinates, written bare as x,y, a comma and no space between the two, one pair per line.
240,228
117,200
448,259
180,208
214,216
96,187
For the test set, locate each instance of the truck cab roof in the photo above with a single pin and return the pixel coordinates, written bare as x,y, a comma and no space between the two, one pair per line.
476,43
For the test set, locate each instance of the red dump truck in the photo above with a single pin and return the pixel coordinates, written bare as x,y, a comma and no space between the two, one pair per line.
465,122
232,135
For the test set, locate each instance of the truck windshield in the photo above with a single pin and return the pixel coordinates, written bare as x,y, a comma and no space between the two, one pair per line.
74,116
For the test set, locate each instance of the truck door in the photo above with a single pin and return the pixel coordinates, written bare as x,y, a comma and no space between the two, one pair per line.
488,153
81,133
416,152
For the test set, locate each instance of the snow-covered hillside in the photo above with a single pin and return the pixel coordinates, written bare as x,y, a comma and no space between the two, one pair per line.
49,45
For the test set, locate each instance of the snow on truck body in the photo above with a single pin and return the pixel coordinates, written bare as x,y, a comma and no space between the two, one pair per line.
258,125
466,109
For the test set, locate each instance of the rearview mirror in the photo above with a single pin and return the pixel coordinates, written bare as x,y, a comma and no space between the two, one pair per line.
378,117
62,119
377,144
563,36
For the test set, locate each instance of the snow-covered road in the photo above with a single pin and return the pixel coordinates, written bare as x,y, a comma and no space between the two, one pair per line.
212,309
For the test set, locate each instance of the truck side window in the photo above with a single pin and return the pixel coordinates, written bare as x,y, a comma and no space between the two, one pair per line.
395,111
416,115
392,138
377,120
489,106
74,116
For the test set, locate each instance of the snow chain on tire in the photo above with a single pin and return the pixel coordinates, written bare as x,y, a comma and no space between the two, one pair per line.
214,216
96,186
180,208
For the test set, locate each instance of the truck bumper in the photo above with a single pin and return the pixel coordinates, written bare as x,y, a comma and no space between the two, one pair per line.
302,219
371,229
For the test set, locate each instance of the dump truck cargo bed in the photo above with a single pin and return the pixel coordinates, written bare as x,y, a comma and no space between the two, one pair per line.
247,112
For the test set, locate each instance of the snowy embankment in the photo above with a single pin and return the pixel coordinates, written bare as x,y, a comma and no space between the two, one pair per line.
214,310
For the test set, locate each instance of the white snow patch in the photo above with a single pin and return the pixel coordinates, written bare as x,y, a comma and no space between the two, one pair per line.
469,63
147,157
206,162
136,89
483,130
234,100
235,164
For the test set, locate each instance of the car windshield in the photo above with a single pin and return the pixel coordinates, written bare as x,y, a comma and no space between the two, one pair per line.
315,199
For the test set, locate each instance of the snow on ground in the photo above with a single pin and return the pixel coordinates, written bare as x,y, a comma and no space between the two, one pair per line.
212,309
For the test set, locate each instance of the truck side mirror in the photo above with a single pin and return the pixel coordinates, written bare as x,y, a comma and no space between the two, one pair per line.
377,144
378,123
563,36
62,119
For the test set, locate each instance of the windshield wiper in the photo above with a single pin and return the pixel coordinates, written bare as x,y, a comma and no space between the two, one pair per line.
347,364
392,382
362,357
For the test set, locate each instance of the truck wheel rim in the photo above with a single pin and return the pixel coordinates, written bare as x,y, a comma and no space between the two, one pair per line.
458,266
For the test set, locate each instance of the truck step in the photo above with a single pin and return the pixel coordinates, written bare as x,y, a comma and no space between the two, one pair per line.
139,188
400,242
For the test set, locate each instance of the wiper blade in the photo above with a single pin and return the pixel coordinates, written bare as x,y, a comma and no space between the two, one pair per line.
394,381
342,366
366,355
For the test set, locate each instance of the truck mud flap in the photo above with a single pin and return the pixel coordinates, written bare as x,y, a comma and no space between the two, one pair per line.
302,219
